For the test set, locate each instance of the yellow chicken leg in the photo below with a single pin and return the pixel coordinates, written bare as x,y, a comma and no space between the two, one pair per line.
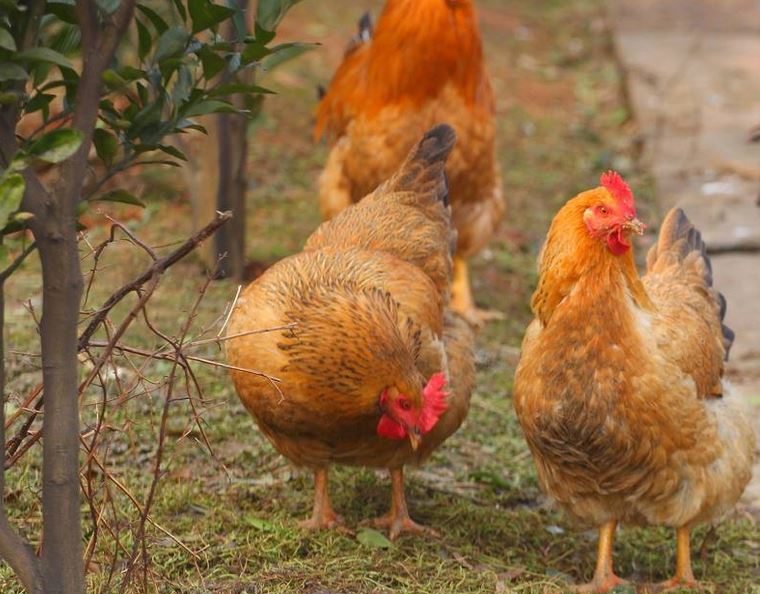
323,515
462,301
397,520
684,577
604,576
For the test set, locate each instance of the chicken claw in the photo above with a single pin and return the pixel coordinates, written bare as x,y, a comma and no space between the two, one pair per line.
323,516
397,520
398,523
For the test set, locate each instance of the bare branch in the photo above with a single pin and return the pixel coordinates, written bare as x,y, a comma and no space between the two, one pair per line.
17,262
158,268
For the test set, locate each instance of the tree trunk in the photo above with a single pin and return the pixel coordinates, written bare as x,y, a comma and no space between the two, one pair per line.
62,569
233,153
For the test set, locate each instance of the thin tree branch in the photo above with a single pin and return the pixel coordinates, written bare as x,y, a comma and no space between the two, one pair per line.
17,262
158,268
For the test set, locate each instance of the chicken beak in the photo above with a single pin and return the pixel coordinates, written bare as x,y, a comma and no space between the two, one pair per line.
415,438
635,225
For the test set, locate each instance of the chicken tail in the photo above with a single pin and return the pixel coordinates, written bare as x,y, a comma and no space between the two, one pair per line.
423,170
681,241
365,28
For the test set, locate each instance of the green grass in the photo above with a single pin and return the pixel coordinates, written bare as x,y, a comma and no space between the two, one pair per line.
561,119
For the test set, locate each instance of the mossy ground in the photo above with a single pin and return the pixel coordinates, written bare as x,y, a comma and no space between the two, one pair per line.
561,119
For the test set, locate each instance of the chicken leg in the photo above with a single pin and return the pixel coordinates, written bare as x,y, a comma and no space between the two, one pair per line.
397,520
323,515
462,301
604,577
684,577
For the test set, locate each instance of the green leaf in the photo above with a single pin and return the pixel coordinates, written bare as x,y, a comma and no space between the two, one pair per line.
43,54
259,524
6,40
66,40
57,145
373,539
171,43
254,51
106,145
269,13
64,11
212,62
262,35
11,193
144,40
284,52
113,79
173,151
9,97
120,196
206,14
237,87
153,17
130,73
181,10
37,102
10,71
210,106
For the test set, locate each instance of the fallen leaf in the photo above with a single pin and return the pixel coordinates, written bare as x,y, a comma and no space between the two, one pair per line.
372,538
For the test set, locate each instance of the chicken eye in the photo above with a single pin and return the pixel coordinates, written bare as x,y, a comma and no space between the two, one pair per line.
404,403
603,210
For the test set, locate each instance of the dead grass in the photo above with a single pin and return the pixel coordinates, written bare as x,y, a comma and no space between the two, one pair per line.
561,120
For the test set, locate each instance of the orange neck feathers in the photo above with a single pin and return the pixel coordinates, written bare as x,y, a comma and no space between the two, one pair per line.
573,257
422,45
419,48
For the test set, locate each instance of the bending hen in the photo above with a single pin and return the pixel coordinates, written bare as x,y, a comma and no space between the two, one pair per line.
422,64
372,370
619,389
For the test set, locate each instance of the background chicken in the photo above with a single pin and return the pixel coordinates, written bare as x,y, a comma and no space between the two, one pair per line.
363,369
422,65
619,389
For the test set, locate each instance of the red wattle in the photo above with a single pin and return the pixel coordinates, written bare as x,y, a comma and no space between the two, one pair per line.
617,243
390,429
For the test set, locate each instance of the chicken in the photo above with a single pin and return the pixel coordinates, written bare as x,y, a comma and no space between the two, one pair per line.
421,65
619,387
371,368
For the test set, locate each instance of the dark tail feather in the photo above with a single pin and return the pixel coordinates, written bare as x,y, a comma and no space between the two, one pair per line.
366,27
425,165
679,237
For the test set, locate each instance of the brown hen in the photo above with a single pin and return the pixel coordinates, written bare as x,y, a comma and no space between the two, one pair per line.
422,64
372,369
619,388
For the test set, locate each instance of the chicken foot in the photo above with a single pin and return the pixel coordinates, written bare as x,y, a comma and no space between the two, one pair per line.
604,577
397,520
684,577
462,301
323,515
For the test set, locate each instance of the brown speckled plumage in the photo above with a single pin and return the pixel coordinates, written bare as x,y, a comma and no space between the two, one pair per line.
619,388
368,310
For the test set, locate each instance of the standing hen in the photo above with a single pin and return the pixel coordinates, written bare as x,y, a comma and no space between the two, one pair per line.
372,370
422,64
619,388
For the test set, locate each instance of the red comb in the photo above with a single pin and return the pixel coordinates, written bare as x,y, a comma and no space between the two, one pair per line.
620,190
434,401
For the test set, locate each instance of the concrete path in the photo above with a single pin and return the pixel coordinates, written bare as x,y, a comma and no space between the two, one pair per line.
692,70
